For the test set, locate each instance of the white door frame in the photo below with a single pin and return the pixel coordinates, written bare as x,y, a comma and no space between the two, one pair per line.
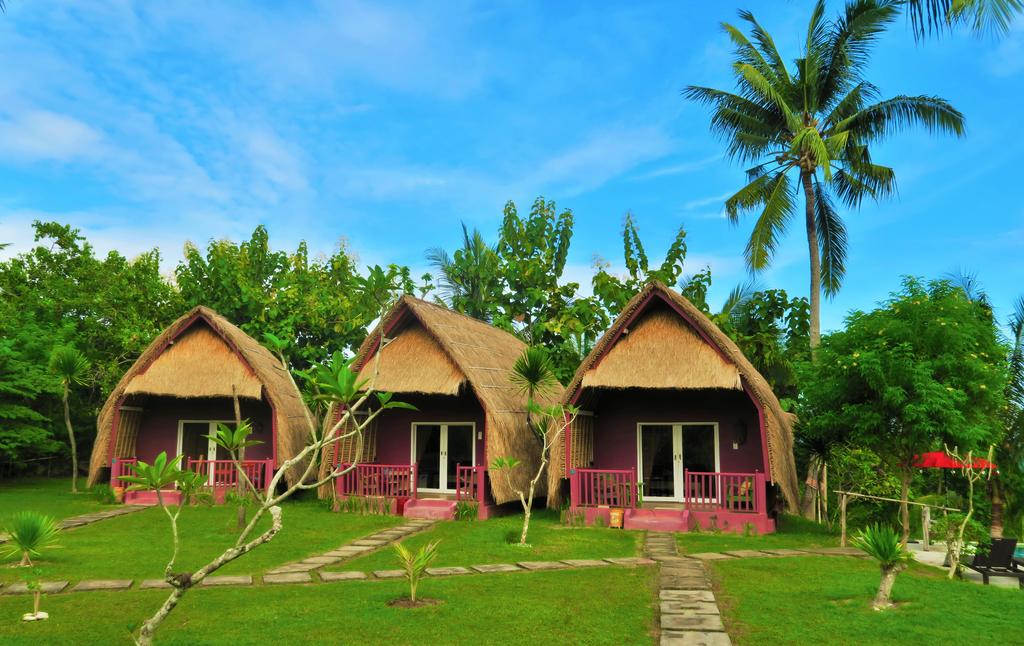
677,455
211,446
443,449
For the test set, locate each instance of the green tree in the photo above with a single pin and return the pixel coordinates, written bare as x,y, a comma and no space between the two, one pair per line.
72,369
1008,482
469,281
923,370
817,123
25,433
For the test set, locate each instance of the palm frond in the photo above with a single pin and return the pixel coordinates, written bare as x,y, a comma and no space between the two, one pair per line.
832,241
533,371
70,365
887,117
778,198
929,17
853,35
738,296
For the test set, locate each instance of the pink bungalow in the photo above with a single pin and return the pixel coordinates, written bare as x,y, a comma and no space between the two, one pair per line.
676,427
177,392
430,462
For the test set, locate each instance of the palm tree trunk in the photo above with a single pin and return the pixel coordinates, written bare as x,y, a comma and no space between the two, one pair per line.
882,598
996,526
71,440
815,255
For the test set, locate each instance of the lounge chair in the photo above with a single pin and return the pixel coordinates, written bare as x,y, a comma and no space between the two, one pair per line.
999,561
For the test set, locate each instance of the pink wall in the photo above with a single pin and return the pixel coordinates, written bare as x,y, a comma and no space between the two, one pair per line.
158,430
394,427
618,412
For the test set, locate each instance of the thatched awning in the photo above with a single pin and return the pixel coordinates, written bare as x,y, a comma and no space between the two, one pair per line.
644,349
464,352
661,351
199,363
414,362
173,365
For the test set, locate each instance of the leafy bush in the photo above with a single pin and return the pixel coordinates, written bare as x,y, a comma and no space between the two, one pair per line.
104,494
467,510
30,533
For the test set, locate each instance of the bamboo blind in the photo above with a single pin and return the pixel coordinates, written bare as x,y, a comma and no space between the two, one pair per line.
127,432
344,452
582,442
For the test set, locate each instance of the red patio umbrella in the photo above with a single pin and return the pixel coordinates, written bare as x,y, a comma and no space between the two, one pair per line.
941,460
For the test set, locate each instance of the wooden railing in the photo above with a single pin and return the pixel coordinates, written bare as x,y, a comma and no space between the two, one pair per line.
603,488
735,492
224,473
121,467
382,480
469,483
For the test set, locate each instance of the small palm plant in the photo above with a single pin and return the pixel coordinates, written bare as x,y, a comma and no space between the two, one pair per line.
882,543
415,564
30,533
71,368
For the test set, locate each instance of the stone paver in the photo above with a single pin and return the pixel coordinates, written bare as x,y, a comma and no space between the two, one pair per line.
711,556
692,622
631,561
746,554
150,584
329,577
697,607
48,587
370,542
447,571
687,595
837,551
693,638
389,574
497,567
289,577
785,552
542,565
96,516
586,563
227,580
102,584
321,560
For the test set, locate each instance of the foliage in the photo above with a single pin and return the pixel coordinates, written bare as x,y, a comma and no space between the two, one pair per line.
25,433
817,122
30,533
860,470
469,281
923,369
467,510
928,17
772,331
415,564
72,369
533,372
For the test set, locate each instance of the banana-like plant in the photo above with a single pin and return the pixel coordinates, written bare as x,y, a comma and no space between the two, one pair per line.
30,533
882,543
415,564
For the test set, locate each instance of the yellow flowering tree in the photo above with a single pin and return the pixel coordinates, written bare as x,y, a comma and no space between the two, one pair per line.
923,369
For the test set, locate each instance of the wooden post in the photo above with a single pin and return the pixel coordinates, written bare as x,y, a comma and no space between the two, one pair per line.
842,520
926,521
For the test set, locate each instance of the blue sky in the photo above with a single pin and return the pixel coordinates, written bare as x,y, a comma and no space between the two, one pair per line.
152,123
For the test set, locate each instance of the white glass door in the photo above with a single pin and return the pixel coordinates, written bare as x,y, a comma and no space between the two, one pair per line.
437,451
665,451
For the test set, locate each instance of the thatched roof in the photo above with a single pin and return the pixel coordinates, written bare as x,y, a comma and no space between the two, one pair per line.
678,347
465,352
202,354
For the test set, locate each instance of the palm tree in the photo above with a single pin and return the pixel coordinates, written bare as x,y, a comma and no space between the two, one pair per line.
882,543
817,123
980,16
29,533
71,368
468,281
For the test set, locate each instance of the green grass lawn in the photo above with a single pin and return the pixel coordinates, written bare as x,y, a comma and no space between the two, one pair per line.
479,542
825,600
600,606
51,496
137,546
793,532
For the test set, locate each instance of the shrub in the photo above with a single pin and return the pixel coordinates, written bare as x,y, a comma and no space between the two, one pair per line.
30,533
415,564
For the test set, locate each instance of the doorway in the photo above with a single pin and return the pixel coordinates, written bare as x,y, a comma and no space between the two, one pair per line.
666,451
437,450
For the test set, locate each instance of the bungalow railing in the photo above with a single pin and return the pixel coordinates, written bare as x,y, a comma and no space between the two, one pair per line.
735,492
469,483
378,480
121,467
603,488
224,473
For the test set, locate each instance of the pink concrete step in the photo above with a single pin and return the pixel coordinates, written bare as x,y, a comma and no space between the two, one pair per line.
658,520
149,499
430,508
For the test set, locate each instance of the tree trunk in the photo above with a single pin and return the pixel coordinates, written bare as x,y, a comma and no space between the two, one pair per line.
809,502
240,519
149,626
996,526
882,599
815,256
71,440
905,475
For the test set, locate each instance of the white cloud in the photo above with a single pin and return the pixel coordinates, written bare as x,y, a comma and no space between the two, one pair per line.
41,135
707,201
682,168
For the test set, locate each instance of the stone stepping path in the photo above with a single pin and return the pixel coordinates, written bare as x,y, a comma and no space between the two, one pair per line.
308,577
809,551
688,612
347,551
90,518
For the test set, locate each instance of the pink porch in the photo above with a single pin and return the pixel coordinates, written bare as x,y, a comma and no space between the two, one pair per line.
221,477
674,460
395,484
